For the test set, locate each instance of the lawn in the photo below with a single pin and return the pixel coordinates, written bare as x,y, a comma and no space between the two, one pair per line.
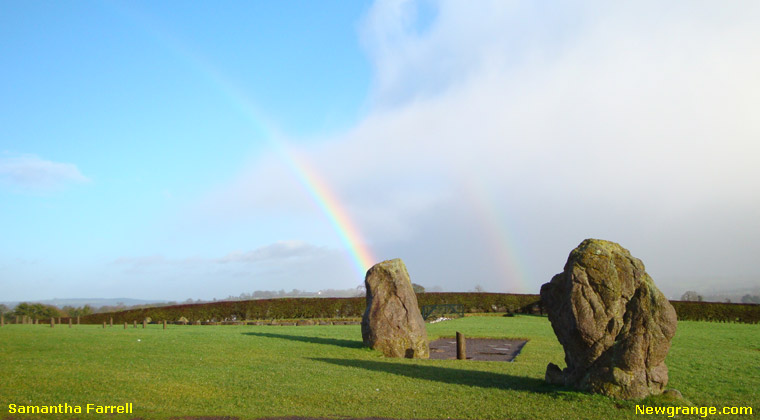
323,371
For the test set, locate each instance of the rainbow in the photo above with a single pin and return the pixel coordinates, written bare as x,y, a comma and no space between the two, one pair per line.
328,202
314,184
504,253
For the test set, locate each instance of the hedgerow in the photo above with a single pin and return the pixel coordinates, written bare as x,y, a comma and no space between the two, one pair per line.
718,312
331,308
299,308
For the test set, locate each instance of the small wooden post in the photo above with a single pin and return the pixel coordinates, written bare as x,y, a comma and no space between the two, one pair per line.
2,320
36,321
461,351
125,325
164,324
16,319
111,322
69,322
59,320
135,322
144,323
104,324
77,319
52,322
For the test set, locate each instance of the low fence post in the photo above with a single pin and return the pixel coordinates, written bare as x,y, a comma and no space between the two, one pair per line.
111,322
69,322
52,322
144,323
461,350
125,325
77,319
104,324
164,324
135,322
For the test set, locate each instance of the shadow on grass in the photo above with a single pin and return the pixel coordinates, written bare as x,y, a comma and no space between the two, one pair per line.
448,375
352,344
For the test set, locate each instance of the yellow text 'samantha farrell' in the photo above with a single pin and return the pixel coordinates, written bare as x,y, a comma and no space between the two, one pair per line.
66,408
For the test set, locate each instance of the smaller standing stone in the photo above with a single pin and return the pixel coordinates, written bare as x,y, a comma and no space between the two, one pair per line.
392,322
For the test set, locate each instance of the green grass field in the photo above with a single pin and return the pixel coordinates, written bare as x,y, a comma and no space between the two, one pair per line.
323,371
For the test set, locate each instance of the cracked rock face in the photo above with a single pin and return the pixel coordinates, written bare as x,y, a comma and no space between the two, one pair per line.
613,322
392,322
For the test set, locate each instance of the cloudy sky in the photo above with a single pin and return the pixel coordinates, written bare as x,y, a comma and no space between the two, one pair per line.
174,150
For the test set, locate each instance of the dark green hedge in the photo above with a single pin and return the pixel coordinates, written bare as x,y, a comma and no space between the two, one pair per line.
300,308
295,308
485,302
718,312
286,308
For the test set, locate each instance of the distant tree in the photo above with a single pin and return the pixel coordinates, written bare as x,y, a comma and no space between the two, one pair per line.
478,289
36,310
263,294
751,299
418,288
691,296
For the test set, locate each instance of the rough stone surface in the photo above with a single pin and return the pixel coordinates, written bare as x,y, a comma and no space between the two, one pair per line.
392,322
613,322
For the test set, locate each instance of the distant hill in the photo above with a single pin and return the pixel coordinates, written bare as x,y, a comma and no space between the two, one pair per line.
93,302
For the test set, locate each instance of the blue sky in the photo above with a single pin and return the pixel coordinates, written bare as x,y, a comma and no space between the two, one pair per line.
141,143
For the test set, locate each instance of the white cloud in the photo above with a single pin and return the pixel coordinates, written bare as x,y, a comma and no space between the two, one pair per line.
280,265
278,251
506,133
34,173
281,250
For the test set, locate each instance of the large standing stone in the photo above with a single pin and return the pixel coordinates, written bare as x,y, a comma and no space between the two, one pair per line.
613,322
392,322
